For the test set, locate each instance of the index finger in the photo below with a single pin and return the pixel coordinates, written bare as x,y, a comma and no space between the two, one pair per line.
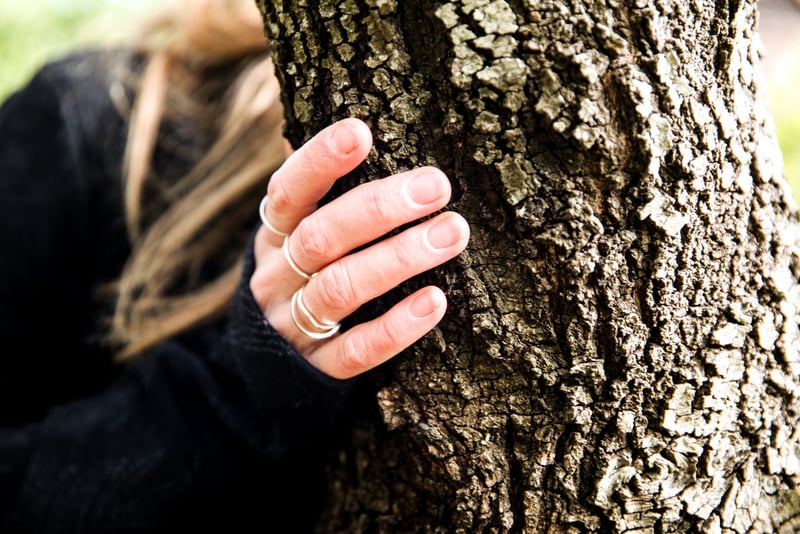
308,173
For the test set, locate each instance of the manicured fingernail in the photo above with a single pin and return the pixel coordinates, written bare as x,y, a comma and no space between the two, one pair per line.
425,188
445,233
344,138
427,303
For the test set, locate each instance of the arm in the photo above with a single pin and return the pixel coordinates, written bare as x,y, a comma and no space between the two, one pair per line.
197,433
49,245
234,419
218,425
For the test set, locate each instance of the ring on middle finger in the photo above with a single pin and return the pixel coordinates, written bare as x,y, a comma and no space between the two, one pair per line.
293,264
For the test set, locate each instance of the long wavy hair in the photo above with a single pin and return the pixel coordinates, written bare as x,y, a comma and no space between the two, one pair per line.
206,62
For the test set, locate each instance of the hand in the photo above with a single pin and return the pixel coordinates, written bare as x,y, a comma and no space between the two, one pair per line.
321,241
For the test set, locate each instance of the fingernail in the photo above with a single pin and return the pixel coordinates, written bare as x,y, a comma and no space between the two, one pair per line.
344,138
446,233
425,188
427,303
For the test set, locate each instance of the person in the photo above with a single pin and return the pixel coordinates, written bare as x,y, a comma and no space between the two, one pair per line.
173,289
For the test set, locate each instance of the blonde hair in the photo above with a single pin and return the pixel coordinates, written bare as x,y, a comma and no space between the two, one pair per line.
195,52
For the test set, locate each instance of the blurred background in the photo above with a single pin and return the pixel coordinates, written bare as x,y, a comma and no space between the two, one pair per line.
33,31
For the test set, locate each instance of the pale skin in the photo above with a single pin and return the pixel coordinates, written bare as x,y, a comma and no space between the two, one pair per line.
321,241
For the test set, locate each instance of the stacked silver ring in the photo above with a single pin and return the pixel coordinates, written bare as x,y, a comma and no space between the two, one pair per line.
322,329
310,325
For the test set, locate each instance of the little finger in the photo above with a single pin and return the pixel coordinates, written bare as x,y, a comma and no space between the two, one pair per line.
370,344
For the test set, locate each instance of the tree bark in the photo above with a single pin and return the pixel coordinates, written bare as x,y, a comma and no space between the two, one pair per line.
621,349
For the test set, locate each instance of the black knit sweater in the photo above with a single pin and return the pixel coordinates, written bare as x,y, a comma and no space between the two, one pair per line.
224,428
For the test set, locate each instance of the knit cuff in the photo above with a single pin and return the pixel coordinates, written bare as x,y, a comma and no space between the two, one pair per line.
282,385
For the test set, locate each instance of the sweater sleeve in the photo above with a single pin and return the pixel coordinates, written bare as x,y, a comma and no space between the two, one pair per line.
226,427
181,438
45,257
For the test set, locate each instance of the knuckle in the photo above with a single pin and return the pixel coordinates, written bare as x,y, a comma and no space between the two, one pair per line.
279,196
315,157
319,164
314,241
378,205
405,255
336,288
388,334
354,355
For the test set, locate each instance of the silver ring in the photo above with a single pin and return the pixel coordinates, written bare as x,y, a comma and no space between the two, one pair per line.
262,211
291,262
324,332
318,324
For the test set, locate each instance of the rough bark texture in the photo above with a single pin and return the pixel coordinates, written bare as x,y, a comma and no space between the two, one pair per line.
621,352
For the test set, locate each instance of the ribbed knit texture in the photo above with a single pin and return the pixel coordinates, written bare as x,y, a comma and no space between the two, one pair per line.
224,428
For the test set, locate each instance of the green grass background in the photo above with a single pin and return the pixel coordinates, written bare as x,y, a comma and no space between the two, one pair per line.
786,110
34,31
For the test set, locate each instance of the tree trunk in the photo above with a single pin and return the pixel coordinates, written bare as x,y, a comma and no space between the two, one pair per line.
621,350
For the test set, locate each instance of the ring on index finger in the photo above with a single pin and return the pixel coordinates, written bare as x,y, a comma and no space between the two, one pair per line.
262,211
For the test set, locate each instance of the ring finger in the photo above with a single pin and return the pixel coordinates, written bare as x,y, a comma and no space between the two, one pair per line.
345,285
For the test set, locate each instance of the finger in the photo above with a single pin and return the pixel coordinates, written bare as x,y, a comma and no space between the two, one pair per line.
366,213
344,286
308,173
369,344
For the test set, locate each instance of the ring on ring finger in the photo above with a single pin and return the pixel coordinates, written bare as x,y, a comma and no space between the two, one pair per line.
312,327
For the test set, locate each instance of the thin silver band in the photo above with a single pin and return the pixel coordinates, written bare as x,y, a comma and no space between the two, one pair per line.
326,332
262,211
291,262
318,324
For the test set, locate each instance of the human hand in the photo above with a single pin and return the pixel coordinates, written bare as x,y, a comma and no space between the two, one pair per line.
321,241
